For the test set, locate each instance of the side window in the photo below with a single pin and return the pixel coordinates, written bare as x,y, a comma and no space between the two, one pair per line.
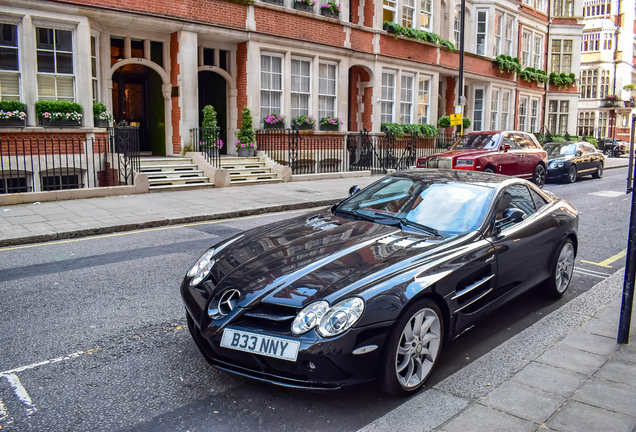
520,141
590,148
539,201
530,145
509,140
582,149
516,196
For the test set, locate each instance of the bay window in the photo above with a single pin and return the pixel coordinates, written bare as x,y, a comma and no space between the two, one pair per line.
525,48
55,69
496,48
494,109
537,52
509,34
457,26
561,56
389,8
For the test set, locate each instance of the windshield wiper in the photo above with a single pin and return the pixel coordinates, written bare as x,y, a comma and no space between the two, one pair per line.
358,215
421,227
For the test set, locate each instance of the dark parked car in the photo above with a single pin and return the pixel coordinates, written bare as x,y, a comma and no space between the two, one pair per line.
372,287
569,160
612,148
516,154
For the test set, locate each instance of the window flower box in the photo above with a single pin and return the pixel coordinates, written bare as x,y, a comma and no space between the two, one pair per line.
388,28
280,125
329,127
274,121
305,6
44,122
304,127
13,122
274,2
330,123
101,123
12,114
303,123
329,13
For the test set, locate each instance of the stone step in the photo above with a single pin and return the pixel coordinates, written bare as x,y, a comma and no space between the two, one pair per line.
247,177
255,182
164,161
254,171
243,166
181,187
175,174
159,168
177,181
232,159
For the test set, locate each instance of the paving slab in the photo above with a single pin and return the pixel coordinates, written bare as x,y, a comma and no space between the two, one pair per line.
578,417
479,418
618,371
601,327
591,343
608,395
523,401
550,379
572,359
627,353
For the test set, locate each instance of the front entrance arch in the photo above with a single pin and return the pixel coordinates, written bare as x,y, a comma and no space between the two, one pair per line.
137,92
218,88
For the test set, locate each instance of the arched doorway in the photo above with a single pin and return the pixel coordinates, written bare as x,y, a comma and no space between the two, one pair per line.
213,91
360,98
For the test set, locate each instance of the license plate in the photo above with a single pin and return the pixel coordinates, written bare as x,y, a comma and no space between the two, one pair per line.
269,346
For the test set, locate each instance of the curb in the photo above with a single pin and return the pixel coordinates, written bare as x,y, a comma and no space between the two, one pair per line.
42,238
615,167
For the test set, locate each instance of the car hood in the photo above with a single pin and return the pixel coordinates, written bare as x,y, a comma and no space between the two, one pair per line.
317,256
464,153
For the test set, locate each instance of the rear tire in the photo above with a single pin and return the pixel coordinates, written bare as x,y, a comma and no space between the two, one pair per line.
539,175
599,171
489,170
410,354
562,268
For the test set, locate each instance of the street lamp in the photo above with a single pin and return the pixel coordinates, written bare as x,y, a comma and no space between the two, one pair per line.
461,61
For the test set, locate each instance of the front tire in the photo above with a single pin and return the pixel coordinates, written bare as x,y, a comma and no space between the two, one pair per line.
562,269
599,171
538,177
489,170
571,178
412,349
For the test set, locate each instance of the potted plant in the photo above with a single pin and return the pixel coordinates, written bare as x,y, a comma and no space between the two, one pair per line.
389,26
246,142
12,114
274,121
330,123
610,100
631,103
303,123
101,116
59,113
305,5
331,10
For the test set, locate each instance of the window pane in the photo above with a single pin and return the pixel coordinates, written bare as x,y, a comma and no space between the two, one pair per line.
65,87
9,86
46,61
9,35
46,87
44,38
8,59
64,63
64,40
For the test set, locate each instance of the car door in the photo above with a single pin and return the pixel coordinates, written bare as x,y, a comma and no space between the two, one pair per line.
595,156
585,161
507,161
532,155
524,160
522,248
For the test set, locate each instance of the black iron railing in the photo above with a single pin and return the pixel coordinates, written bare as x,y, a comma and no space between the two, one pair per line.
315,154
32,163
207,141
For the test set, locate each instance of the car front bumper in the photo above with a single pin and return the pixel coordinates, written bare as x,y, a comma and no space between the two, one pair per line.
557,173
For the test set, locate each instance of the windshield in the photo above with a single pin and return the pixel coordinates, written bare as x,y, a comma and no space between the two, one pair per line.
448,207
560,149
477,142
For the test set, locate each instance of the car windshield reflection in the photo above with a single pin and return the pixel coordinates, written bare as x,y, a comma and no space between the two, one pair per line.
477,142
446,207
560,149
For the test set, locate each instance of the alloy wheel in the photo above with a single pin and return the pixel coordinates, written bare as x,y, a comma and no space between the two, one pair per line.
418,348
572,174
539,176
564,267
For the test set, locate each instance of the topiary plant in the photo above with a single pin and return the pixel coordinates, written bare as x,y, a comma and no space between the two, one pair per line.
443,122
245,135
209,116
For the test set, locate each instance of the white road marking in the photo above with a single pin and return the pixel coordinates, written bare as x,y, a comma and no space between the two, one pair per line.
21,393
34,365
609,194
586,270
579,272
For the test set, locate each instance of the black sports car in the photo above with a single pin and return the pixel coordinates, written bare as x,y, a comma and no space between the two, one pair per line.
372,287
570,160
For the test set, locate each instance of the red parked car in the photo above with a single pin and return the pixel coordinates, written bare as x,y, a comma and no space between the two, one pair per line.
512,153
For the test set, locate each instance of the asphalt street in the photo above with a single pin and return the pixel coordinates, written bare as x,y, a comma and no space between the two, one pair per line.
93,330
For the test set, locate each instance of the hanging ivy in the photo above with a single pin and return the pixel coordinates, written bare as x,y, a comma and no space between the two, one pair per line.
532,74
420,35
562,80
508,64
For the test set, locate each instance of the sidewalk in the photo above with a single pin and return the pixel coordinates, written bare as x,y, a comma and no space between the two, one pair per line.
31,223
565,373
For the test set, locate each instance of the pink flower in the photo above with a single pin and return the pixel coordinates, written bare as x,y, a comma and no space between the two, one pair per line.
47,115
9,113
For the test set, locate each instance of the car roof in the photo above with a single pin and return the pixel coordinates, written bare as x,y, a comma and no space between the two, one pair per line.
457,176
497,132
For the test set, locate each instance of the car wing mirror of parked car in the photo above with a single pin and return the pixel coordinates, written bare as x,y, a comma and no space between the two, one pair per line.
579,153
354,190
506,147
510,216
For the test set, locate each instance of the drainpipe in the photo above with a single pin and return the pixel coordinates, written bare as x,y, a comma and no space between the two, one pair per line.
545,63
617,32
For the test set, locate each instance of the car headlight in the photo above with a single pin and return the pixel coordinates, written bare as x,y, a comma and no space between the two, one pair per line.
201,269
309,317
341,316
556,164
464,162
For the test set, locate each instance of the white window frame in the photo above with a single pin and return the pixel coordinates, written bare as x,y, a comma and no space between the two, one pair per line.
326,95
280,109
484,34
390,6
17,96
95,79
541,5
387,102
509,30
408,13
558,119
494,108
407,102
498,37
421,95
526,48
457,27
534,114
537,51
296,111
475,110
561,55
506,97
522,123
426,13
55,74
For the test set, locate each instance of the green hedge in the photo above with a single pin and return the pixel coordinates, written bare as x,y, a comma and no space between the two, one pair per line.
12,105
562,80
444,122
63,107
399,130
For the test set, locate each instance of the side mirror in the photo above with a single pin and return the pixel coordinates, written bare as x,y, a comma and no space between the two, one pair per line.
506,147
510,216
579,153
354,190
